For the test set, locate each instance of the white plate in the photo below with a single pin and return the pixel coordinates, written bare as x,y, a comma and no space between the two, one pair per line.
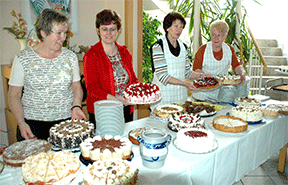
215,146
206,114
210,127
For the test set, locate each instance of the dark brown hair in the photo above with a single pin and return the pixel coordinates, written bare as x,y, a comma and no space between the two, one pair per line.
106,17
170,18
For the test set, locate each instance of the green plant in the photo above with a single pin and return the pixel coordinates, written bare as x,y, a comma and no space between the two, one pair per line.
150,36
211,10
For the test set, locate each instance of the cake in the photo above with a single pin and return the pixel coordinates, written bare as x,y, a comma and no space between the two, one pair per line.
15,154
283,69
110,171
69,134
229,80
247,113
206,83
195,140
99,148
180,121
198,108
283,109
55,168
230,124
245,101
282,87
165,111
142,93
270,110
133,134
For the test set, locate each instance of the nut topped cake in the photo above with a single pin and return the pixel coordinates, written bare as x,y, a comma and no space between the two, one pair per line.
69,134
16,153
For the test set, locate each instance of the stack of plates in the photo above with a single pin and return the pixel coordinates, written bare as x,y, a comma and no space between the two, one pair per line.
109,117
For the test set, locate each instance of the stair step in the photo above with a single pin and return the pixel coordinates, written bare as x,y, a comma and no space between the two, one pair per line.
267,42
271,70
276,60
271,51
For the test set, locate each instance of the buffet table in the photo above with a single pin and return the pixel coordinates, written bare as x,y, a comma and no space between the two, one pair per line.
236,155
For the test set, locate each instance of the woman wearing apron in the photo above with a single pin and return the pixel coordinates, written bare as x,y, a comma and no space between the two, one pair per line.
215,58
171,63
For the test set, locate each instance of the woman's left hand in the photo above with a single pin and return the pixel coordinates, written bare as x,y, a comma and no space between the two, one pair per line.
77,113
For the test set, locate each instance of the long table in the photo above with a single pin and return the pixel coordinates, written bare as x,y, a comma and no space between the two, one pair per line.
236,155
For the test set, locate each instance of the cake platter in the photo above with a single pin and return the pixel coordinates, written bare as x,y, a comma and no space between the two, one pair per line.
214,147
206,114
211,89
262,121
56,149
210,127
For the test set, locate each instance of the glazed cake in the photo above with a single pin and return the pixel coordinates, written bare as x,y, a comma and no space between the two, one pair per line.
56,168
206,83
180,121
245,101
247,113
142,93
230,124
198,108
165,111
71,133
195,140
99,148
229,80
15,154
110,171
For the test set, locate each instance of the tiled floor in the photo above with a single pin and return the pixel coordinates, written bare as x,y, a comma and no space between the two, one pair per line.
266,174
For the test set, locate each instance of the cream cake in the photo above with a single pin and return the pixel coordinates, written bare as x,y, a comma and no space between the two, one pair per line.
110,171
245,101
56,168
69,134
165,111
16,153
180,121
247,113
195,140
99,148
142,93
229,124
229,80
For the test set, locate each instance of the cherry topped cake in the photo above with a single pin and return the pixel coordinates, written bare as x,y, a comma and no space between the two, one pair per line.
206,83
142,93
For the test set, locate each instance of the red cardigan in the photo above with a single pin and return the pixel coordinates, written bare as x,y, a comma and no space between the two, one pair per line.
98,73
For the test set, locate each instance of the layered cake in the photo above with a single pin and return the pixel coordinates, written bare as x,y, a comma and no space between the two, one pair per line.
247,113
110,171
229,80
230,124
206,83
15,154
142,93
180,121
198,108
195,140
107,147
283,69
57,168
273,110
245,101
69,134
133,134
165,111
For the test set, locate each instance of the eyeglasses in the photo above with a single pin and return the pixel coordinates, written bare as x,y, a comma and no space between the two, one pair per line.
59,34
219,35
110,30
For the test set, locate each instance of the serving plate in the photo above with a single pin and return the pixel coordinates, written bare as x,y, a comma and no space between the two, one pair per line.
214,147
145,103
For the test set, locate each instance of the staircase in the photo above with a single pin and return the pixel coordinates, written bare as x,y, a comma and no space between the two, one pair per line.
274,58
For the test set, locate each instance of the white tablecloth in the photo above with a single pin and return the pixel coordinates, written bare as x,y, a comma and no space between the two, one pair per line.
236,155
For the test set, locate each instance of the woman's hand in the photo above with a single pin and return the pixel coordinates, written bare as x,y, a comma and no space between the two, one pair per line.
26,132
190,86
206,75
77,113
124,101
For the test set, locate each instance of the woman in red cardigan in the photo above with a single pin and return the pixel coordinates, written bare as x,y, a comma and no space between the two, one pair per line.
108,68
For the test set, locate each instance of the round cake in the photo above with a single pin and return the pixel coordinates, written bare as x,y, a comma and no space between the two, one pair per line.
142,93
247,113
198,108
99,148
283,69
110,171
245,101
206,83
133,134
195,140
180,121
15,154
69,134
270,110
229,80
165,111
56,168
230,124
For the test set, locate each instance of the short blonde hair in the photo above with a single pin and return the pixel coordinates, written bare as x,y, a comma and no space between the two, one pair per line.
220,25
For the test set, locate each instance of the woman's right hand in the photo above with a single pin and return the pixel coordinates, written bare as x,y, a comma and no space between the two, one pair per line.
26,132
